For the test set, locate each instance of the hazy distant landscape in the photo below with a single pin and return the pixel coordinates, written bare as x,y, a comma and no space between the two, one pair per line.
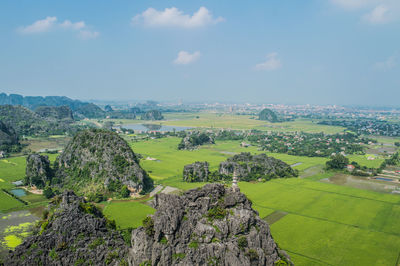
200,133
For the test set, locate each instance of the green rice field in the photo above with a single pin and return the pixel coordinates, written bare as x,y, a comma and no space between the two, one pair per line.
231,121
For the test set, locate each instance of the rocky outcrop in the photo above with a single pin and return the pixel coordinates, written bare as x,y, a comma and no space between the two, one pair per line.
196,172
268,115
55,112
152,115
73,233
210,226
38,171
100,161
195,139
252,167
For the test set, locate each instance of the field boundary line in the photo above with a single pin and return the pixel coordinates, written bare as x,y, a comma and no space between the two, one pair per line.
346,195
331,221
308,257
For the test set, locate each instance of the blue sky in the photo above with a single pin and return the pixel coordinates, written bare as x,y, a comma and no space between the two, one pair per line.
312,51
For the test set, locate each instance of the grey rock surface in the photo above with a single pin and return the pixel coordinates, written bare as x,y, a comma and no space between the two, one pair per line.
209,226
38,170
74,233
196,172
251,167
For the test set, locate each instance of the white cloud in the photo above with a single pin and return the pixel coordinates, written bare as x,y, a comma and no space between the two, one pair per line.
39,26
387,64
87,34
51,23
185,58
378,15
173,17
375,11
75,26
354,4
272,63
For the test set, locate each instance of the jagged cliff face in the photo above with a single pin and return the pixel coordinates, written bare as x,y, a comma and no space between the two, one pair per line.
38,171
196,172
95,160
251,167
74,233
209,226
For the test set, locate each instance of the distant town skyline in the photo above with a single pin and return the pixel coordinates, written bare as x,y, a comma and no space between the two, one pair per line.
343,52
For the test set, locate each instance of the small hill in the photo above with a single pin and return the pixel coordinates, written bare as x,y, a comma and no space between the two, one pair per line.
9,140
90,110
38,171
196,172
73,233
28,123
268,115
252,167
100,161
214,225
152,115
194,140
55,112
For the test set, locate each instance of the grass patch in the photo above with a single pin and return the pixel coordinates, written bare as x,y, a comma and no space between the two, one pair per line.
127,214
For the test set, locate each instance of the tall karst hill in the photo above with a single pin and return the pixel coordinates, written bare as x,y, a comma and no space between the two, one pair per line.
100,161
213,225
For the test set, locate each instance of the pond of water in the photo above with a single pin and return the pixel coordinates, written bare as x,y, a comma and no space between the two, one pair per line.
18,192
362,183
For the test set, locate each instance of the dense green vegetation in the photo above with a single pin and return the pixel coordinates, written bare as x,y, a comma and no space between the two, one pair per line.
127,214
337,161
55,112
367,126
268,115
9,140
100,162
27,123
194,139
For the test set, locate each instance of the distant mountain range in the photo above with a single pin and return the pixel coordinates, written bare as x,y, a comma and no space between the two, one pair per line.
80,109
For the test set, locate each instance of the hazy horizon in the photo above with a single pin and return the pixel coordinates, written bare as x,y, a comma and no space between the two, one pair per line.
310,52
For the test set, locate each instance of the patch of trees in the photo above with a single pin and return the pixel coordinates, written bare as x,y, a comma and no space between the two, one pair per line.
28,123
55,112
337,161
9,140
268,115
367,126
311,145
195,139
